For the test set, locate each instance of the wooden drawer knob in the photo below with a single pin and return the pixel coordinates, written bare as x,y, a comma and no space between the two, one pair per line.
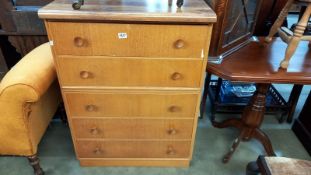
174,109
85,74
179,44
97,151
94,131
176,76
79,42
172,131
90,108
171,151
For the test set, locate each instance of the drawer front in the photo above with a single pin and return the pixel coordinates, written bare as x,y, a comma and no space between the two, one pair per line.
133,149
123,128
131,104
135,40
90,71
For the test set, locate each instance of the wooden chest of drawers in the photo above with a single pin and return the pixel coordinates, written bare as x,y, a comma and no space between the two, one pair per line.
131,74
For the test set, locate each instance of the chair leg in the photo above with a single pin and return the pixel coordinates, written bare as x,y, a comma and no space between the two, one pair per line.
279,21
63,115
34,162
252,168
205,94
294,41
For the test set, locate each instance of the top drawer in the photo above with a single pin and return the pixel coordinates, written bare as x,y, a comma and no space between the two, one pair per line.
131,40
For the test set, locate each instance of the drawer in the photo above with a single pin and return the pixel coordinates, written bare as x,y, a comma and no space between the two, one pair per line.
124,128
134,40
133,149
131,104
100,71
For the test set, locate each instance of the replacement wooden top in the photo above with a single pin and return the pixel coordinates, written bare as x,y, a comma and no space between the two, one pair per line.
160,11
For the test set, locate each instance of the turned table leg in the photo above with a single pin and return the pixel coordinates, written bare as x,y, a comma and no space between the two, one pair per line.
34,162
250,122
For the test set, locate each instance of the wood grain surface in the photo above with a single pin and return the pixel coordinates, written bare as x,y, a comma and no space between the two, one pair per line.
260,62
138,40
133,149
115,71
162,11
131,104
133,128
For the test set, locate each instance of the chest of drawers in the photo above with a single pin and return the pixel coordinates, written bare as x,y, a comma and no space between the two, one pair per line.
131,74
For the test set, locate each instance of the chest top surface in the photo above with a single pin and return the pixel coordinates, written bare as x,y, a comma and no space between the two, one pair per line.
159,11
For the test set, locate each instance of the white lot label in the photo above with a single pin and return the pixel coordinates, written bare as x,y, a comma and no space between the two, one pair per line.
122,35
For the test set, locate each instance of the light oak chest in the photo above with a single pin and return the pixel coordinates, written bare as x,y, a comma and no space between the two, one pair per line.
131,74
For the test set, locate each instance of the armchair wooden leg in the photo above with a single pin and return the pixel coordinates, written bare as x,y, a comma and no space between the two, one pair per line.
34,162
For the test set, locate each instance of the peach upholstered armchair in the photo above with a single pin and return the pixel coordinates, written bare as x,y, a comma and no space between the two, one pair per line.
29,97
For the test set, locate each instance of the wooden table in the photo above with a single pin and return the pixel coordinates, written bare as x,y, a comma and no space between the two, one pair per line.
259,62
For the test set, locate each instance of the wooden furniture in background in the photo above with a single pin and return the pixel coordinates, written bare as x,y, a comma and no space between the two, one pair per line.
131,77
289,37
269,11
234,28
258,62
20,28
236,21
3,66
302,125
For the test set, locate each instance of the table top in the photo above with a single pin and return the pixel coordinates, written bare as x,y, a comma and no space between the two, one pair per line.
161,11
259,62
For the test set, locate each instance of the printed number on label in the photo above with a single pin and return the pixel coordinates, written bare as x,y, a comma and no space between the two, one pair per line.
122,35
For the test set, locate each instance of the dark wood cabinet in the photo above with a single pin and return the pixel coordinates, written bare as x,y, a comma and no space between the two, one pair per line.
20,29
235,25
302,125
269,11
3,66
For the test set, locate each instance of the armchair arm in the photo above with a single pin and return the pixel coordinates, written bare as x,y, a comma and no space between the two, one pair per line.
33,74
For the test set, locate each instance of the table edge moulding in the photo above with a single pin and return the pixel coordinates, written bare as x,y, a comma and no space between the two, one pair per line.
131,74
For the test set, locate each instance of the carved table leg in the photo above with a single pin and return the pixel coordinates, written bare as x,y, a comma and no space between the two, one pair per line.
234,146
265,141
232,122
250,122
34,162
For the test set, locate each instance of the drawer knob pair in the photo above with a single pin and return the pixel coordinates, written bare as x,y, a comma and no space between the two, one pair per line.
90,108
79,42
174,109
97,151
179,44
170,151
176,76
94,131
